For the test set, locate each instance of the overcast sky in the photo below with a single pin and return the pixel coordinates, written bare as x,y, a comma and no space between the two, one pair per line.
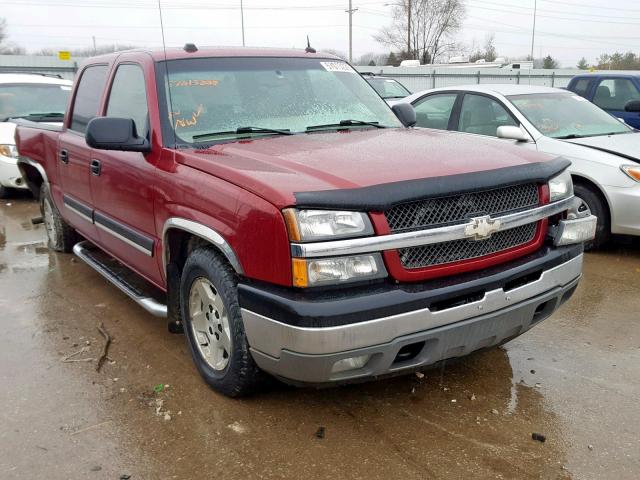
566,29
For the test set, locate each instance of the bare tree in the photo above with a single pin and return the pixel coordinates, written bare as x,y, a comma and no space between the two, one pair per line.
432,26
3,29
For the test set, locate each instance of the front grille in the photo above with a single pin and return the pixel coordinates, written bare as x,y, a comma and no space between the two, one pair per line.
457,250
436,212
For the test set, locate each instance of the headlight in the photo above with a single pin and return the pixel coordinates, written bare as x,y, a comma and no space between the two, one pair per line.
309,272
9,151
632,171
560,186
314,225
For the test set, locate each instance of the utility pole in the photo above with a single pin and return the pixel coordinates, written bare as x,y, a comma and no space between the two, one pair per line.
409,28
350,12
242,20
533,32
95,50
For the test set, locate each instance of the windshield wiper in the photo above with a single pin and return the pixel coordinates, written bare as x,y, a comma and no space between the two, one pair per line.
345,123
36,116
241,130
570,136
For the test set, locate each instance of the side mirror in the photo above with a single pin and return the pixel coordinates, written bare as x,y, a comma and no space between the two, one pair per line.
512,133
405,113
111,133
632,106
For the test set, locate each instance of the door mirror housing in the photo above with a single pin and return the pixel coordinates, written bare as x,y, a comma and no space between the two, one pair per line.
511,132
405,113
632,106
112,133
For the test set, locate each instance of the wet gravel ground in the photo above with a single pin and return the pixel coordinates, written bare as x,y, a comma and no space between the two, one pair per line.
575,379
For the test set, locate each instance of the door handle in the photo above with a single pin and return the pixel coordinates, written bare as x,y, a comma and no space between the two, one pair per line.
64,156
96,166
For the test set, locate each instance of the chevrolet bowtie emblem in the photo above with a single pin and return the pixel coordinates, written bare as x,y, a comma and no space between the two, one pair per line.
481,228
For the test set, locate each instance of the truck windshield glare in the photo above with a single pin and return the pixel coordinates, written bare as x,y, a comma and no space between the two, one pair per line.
220,95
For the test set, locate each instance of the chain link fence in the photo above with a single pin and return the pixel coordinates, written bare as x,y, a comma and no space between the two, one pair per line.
423,78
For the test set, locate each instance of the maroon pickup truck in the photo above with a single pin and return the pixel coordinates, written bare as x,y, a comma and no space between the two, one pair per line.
274,208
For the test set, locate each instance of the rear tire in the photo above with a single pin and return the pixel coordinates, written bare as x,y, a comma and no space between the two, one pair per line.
213,325
61,237
593,202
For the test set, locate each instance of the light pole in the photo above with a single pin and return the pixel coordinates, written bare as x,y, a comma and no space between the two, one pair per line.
242,21
350,12
408,6
533,32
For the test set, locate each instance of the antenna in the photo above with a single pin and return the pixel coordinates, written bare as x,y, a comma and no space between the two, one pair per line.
166,68
309,48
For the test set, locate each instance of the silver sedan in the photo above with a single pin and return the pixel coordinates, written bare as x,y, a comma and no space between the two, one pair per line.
605,152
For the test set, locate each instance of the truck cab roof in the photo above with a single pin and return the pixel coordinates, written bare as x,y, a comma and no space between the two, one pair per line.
174,53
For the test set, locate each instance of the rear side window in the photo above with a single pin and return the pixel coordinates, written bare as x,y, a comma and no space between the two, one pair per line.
128,97
582,86
88,95
614,94
434,111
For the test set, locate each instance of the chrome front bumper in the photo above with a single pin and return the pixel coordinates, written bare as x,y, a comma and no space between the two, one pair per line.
307,355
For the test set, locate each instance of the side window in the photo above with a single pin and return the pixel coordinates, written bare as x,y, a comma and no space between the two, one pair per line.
582,86
434,111
128,97
88,95
482,115
614,94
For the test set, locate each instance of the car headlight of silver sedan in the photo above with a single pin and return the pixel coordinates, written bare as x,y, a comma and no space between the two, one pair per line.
632,171
560,186
9,151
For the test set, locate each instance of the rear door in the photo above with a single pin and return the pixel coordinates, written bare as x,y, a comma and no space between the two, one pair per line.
122,183
74,155
612,94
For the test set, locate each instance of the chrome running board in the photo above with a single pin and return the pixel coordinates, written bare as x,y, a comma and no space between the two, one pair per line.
98,260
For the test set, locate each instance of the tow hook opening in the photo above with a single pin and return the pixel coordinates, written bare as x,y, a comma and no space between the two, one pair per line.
409,352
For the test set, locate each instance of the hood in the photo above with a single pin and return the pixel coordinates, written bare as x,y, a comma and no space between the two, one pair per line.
626,145
275,168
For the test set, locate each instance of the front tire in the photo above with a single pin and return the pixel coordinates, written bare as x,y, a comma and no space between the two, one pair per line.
592,202
213,325
61,237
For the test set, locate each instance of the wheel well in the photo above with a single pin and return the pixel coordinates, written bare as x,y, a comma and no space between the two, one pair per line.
577,179
181,243
32,177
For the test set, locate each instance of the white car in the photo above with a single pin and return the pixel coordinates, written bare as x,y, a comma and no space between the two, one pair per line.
605,152
35,97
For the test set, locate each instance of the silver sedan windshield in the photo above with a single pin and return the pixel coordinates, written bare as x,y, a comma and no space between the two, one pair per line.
565,115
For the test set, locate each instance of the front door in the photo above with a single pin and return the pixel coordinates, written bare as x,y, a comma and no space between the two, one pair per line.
122,182
612,94
74,155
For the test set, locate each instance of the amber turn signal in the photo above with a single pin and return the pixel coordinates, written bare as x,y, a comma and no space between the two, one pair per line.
292,224
299,270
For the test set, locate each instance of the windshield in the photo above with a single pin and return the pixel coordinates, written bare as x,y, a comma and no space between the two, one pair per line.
211,97
565,115
22,100
388,88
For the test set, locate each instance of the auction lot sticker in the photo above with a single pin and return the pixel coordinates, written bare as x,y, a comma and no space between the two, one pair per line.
337,67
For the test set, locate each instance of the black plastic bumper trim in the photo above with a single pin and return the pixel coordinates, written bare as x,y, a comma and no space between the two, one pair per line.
360,304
